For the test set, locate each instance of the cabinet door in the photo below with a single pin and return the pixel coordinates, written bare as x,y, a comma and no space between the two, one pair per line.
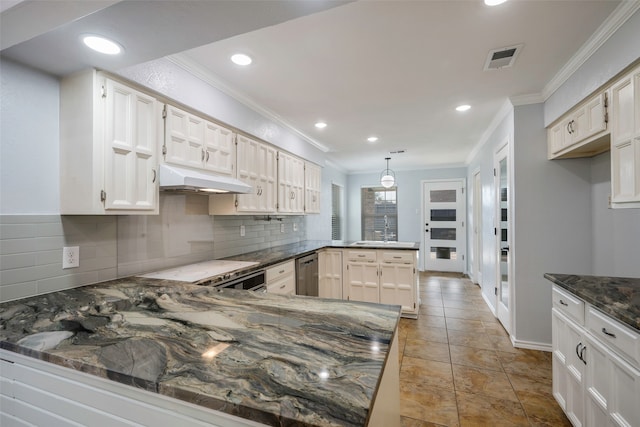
612,388
397,285
557,136
568,367
130,148
290,184
330,274
625,141
219,149
312,186
362,281
184,138
268,166
256,166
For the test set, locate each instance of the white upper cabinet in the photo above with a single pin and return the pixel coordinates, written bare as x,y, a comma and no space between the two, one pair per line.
197,143
582,132
256,166
312,186
108,147
290,184
625,141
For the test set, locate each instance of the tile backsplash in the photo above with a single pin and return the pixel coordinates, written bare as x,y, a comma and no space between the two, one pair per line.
119,246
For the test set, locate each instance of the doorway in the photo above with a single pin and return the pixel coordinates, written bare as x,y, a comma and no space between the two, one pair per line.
476,230
504,293
444,235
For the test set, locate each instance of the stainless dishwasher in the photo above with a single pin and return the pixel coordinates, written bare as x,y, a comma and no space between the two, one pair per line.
307,275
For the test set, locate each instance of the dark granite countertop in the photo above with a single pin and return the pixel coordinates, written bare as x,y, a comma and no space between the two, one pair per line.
274,359
619,297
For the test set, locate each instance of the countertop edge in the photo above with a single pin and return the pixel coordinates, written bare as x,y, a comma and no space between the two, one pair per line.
609,308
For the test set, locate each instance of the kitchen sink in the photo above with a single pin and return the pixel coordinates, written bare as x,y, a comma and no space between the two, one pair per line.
377,243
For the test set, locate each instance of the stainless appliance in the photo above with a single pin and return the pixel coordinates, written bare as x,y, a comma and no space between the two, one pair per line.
307,275
254,281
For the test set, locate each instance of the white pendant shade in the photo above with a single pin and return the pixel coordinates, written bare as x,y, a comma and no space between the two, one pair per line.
387,177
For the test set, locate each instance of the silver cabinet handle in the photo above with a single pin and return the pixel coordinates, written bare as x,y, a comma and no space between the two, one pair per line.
604,331
207,156
154,176
563,303
202,155
283,286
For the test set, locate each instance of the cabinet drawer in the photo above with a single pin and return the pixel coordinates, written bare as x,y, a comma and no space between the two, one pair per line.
615,334
284,286
364,256
278,271
568,304
398,257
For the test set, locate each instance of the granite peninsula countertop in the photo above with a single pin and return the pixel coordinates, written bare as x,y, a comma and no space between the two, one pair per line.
277,254
619,297
274,359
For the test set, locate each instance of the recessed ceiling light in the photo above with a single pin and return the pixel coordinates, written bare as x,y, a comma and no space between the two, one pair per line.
463,107
321,125
372,139
493,2
241,59
102,45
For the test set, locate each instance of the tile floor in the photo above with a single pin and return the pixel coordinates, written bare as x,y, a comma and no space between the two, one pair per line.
458,367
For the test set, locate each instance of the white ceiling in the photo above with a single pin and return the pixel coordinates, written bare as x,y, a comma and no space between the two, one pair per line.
395,69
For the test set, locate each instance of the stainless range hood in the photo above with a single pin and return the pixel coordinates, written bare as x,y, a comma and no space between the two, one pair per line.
173,178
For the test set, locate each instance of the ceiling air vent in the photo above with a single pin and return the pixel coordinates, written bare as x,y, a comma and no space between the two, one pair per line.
502,58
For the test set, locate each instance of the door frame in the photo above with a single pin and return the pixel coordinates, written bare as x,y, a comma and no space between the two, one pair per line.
475,228
497,156
423,216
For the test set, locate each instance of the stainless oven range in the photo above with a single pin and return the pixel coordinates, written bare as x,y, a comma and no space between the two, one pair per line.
254,281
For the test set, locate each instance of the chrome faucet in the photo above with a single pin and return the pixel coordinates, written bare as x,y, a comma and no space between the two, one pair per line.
386,228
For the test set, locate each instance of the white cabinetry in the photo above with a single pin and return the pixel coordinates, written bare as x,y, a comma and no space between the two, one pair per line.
108,147
312,187
198,143
330,273
625,141
582,132
257,167
290,184
382,276
281,279
596,361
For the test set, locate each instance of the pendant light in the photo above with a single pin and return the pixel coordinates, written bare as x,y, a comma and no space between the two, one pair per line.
387,177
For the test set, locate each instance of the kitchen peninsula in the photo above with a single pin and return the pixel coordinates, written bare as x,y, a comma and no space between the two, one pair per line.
198,354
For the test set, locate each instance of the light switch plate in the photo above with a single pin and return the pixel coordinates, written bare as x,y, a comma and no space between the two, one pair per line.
295,226
242,231
70,257
282,228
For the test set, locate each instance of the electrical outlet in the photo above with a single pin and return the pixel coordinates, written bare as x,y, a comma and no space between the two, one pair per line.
282,228
242,231
295,226
70,257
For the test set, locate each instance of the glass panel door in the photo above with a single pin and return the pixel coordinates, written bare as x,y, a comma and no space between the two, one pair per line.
444,237
503,279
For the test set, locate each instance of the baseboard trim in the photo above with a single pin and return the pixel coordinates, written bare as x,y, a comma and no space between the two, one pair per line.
531,345
488,302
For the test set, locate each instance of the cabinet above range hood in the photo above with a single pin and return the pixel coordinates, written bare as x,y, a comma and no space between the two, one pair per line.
173,178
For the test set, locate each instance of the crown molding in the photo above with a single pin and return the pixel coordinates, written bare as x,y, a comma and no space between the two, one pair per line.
504,110
610,25
191,66
531,98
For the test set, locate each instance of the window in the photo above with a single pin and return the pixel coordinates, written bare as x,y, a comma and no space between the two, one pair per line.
336,212
379,213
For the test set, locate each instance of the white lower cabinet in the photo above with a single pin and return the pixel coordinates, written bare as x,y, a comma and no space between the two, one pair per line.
330,274
382,276
595,383
281,279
